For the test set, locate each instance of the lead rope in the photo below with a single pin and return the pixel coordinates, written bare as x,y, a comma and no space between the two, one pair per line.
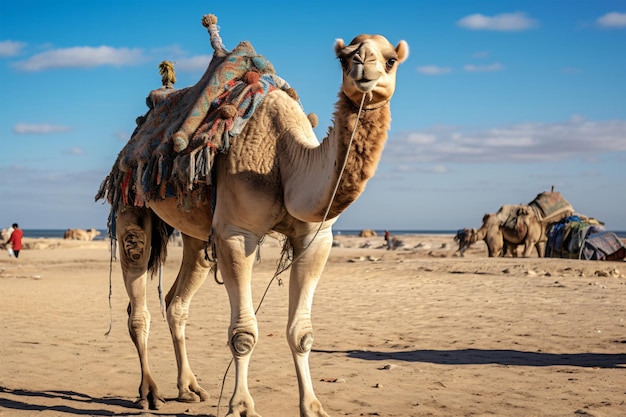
113,249
284,265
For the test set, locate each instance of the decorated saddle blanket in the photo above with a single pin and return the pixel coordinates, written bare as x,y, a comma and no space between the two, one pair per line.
172,150
551,207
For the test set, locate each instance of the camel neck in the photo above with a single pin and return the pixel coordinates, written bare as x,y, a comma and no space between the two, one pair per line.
366,107
363,154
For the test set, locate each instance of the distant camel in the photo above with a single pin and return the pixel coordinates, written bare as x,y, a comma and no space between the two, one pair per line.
367,233
80,234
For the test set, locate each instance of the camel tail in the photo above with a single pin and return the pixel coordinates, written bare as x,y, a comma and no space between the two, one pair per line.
161,233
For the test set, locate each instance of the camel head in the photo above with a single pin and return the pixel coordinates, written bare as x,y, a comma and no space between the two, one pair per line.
473,236
369,66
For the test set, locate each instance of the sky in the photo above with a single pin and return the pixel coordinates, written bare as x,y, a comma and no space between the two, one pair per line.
497,102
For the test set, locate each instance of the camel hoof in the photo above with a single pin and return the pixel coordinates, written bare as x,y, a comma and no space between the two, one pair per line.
188,397
204,396
142,404
198,394
158,403
150,403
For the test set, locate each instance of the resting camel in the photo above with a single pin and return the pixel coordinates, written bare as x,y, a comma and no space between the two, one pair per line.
276,177
80,234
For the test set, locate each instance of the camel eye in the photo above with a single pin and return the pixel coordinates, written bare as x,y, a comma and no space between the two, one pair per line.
390,63
343,61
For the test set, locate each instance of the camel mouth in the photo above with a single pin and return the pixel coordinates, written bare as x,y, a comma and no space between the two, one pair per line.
364,85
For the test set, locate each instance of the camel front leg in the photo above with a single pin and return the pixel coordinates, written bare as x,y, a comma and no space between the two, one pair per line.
529,245
541,249
133,235
304,277
236,253
192,274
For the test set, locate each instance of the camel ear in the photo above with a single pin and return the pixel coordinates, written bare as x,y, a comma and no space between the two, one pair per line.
339,45
403,51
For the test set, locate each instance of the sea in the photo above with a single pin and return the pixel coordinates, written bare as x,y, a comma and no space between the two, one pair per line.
58,233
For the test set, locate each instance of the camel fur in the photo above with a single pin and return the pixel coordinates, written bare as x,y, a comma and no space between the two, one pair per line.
275,177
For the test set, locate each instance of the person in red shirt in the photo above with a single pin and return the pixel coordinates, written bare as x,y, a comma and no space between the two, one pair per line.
16,240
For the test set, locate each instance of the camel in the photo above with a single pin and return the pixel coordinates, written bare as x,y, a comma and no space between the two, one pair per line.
524,225
521,227
502,238
80,234
489,232
276,177
368,233
5,234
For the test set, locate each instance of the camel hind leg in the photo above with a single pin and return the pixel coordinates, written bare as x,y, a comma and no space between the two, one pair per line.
192,274
134,235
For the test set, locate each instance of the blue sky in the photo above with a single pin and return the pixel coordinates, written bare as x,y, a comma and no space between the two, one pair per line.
497,102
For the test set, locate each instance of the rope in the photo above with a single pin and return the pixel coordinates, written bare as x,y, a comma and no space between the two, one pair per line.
160,289
113,249
284,265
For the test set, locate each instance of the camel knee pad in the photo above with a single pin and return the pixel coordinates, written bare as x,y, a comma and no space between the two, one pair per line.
242,343
305,344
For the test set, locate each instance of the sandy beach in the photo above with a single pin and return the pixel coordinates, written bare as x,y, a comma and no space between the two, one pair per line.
418,331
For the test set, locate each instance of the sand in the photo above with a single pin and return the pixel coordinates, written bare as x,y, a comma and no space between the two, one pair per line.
418,331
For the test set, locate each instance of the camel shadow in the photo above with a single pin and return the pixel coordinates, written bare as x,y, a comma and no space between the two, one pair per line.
490,357
24,402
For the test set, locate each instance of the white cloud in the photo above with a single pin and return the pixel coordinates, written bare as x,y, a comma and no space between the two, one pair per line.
195,63
421,138
433,70
431,169
613,20
502,22
81,57
11,48
496,66
122,136
39,129
528,142
437,169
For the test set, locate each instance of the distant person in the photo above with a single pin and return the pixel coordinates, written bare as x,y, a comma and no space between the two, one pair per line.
16,240
388,239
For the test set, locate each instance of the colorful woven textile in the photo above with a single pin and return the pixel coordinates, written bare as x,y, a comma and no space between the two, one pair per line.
171,152
173,147
551,207
575,239
603,246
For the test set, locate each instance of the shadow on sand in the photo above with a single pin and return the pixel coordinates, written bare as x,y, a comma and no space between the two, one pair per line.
26,400
486,357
